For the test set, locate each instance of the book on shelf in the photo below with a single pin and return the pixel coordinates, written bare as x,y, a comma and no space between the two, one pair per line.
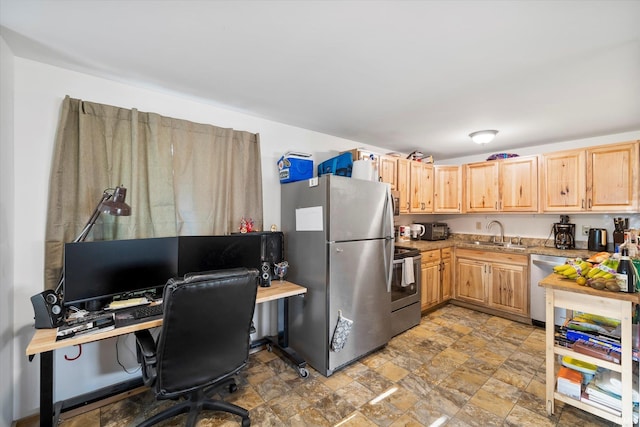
596,350
586,398
601,396
600,340
596,403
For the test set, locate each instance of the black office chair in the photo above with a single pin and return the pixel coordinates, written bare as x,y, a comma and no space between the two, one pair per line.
204,341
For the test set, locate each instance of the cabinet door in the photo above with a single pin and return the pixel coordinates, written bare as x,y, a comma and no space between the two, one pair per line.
470,278
519,184
388,171
481,184
447,192
403,180
421,195
445,277
612,176
508,288
564,181
430,284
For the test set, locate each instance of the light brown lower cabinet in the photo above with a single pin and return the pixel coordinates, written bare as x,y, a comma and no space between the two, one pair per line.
496,282
435,277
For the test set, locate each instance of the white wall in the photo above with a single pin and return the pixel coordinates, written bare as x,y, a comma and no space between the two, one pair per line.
6,233
38,93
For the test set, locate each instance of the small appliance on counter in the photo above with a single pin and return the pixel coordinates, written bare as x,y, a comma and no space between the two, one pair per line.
435,231
564,233
417,231
597,239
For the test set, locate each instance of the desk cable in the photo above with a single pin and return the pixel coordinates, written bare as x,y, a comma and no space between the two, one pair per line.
124,368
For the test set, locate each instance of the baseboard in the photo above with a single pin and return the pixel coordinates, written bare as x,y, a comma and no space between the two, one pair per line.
34,420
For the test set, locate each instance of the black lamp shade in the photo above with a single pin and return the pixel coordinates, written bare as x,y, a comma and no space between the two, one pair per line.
116,205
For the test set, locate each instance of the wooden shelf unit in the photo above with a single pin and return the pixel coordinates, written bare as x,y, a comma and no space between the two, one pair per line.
564,293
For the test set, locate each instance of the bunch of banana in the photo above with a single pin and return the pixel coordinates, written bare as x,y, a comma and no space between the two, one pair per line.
606,269
573,268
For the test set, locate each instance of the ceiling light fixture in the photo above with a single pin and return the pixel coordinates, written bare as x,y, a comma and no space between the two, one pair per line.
483,136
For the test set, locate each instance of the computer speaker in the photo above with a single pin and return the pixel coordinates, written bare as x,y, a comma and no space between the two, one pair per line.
47,308
272,247
265,275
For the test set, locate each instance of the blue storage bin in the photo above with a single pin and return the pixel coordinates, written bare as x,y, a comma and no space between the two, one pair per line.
339,165
295,167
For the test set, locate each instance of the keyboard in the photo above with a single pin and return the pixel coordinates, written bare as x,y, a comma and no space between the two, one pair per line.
138,315
147,311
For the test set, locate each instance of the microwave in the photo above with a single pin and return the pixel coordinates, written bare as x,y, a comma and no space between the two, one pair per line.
435,231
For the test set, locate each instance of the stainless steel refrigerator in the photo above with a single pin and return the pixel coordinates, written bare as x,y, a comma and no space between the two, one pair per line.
339,244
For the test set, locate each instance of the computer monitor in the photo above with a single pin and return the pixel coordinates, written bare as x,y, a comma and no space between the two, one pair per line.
98,271
205,253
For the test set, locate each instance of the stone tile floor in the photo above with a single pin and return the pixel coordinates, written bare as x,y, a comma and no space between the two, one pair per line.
458,367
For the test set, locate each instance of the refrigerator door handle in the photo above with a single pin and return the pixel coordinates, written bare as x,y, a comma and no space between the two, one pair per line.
388,254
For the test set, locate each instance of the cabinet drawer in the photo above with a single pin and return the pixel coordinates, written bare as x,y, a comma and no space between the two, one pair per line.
430,256
446,252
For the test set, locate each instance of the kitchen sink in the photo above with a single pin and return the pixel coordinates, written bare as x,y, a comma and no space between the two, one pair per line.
514,246
481,243
500,245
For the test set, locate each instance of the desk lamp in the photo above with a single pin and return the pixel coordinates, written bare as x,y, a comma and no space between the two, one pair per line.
47,305
110,203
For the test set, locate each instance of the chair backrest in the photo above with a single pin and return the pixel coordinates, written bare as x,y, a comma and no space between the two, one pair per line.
206,328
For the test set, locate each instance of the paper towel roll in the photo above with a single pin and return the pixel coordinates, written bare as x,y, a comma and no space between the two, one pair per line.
362,169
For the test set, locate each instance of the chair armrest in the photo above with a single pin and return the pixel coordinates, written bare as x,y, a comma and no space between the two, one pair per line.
146,352
146,343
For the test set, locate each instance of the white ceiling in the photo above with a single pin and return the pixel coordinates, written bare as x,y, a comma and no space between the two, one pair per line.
404,75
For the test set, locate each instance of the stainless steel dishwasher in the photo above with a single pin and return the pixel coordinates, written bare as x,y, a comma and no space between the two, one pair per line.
540,267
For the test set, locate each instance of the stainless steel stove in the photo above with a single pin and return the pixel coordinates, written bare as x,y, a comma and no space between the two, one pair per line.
405,297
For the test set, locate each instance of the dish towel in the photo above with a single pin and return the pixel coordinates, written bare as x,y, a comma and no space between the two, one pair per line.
407,272
341,332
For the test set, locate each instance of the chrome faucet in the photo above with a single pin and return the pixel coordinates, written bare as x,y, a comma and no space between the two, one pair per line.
501,231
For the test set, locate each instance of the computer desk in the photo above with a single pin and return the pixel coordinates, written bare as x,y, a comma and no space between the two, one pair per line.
44,343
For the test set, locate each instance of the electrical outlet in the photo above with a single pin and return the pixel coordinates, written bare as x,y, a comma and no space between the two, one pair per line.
585,230
478,225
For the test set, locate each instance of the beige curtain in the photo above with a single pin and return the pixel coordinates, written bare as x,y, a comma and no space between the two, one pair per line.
181,177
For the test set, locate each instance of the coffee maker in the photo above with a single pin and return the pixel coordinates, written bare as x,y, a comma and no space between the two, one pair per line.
564,233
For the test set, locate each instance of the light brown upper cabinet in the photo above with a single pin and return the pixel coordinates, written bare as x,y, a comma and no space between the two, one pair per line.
518,184
481,180
597,179
507,185
387,169
404,177
447,191
421,187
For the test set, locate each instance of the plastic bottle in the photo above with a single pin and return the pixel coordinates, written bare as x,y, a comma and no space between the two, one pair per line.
625,273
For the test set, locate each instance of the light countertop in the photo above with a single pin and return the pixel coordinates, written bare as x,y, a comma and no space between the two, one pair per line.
534,246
